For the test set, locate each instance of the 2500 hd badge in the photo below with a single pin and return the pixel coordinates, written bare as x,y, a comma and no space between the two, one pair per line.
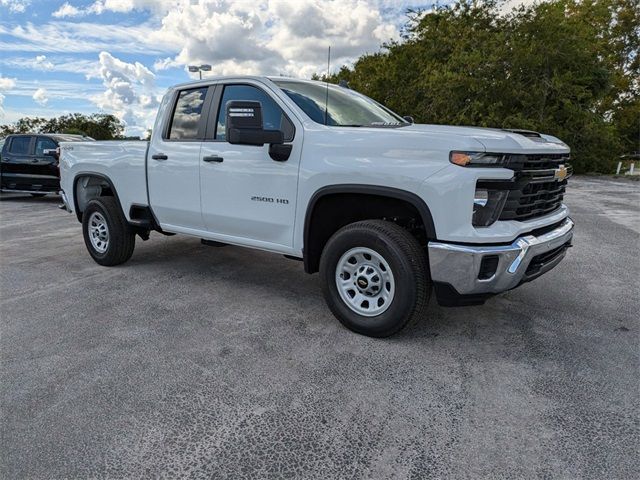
282,201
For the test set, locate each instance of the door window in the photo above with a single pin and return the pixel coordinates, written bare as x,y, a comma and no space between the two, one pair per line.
44,143
185,123
20,145
273,118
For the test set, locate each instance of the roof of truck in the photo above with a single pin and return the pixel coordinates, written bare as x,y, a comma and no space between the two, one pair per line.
61,137
217,78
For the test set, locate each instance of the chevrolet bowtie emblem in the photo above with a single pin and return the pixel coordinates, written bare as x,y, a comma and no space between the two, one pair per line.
560,173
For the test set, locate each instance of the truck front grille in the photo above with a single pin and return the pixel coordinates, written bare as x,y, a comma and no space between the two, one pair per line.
535,191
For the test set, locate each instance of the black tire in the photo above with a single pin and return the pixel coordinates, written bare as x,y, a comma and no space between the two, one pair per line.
408,263
121,240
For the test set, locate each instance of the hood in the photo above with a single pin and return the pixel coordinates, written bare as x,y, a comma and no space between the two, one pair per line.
496,140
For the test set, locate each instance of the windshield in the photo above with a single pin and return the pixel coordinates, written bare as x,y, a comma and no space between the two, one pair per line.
345,108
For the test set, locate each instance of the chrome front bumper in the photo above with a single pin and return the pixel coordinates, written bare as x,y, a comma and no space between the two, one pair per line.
460,265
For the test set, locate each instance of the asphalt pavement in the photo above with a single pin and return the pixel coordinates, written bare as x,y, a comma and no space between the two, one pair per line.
204,362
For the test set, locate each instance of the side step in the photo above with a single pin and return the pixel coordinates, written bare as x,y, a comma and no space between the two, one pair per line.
212,243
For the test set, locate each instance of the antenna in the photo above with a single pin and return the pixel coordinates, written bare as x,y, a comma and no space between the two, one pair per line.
326,81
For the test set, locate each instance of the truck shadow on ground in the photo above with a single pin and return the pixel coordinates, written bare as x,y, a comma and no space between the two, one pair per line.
183,259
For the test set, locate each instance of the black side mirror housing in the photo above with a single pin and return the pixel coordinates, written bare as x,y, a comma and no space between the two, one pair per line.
244,125
408,118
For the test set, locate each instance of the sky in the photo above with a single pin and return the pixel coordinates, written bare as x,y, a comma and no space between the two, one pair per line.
119,56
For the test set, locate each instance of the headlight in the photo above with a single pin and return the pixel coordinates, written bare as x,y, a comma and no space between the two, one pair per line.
478,159
487,206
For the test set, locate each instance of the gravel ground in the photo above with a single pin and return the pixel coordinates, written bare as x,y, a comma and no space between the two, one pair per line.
195,361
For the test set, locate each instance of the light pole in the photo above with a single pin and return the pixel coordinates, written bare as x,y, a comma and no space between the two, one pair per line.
199,69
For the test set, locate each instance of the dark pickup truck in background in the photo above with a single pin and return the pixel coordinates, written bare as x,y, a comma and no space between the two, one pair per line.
29,162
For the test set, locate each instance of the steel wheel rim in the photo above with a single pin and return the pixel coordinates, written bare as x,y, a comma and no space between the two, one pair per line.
365,281
98,232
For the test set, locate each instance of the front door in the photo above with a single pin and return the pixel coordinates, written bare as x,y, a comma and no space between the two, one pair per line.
173,162
248,197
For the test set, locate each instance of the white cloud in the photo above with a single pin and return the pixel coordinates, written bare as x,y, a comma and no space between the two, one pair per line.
41,91
130,92
42,63
67,10
5,84
40,96
235,36
15,6
304,30
59,89
118,6
274,36
88,68
83,37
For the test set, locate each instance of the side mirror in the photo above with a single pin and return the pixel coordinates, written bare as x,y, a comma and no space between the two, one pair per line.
244,125
408,118
51,152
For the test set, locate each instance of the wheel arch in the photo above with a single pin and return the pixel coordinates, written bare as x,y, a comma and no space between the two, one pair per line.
94,179
312,246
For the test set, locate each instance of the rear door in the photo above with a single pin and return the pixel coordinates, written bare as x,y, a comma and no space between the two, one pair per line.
246,195
173,161
17,161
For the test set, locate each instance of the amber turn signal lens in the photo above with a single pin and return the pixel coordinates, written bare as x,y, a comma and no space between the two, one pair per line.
460,158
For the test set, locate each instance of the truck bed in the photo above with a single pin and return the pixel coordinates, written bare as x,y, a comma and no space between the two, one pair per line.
122,162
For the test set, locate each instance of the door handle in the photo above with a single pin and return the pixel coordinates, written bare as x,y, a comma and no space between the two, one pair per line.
213,159
159,156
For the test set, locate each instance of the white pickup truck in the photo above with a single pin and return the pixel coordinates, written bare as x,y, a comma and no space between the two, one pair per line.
386,210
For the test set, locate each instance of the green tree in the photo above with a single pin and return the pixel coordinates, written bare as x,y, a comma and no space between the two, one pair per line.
100,126
566,67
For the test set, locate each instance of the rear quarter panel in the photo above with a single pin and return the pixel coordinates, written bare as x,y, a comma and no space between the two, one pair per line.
120,161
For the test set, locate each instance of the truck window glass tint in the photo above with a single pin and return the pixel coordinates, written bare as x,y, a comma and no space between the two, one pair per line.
186,117
346,108
20,145
273,118
44,143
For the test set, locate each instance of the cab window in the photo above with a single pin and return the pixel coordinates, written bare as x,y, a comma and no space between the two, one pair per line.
20,145
187,114
273,118
44,143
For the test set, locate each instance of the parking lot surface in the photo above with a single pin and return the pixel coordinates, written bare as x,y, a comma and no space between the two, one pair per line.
225,363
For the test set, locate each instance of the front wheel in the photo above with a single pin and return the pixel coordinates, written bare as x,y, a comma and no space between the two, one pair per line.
374,277
107,235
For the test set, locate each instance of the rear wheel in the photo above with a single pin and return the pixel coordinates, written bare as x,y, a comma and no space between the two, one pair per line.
374,277
107,235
